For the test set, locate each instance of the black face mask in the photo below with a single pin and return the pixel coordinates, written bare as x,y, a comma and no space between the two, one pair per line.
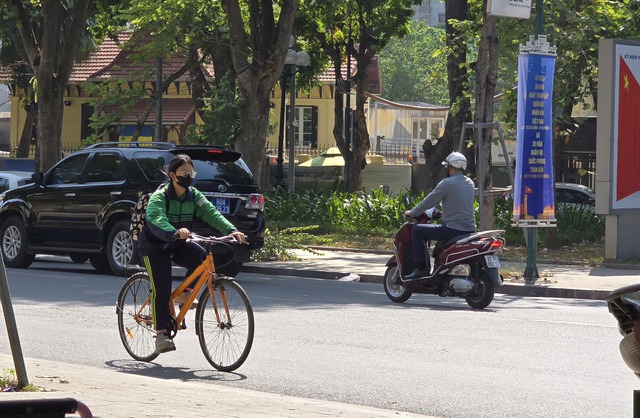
184,181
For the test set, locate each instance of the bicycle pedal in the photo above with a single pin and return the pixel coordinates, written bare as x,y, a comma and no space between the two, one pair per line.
183,325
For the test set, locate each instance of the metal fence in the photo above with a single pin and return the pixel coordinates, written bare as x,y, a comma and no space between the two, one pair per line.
391,153
8,151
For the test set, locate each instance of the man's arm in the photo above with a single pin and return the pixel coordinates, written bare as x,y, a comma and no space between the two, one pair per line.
433,199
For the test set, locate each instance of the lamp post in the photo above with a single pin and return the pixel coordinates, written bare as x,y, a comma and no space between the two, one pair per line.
294,60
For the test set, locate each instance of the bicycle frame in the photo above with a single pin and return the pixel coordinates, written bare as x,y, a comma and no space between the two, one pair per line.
205,273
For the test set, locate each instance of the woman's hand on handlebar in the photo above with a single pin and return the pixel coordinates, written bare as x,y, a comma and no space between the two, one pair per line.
239,236
182,233
407,215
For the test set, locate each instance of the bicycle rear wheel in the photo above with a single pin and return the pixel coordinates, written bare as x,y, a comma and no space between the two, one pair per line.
225,343
135,323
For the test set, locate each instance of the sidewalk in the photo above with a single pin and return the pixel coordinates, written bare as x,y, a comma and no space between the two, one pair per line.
118,394
556,280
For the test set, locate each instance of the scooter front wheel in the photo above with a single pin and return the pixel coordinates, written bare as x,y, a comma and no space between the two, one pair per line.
393,286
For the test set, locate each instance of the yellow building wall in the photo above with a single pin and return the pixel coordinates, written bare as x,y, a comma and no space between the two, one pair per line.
326,120
72,114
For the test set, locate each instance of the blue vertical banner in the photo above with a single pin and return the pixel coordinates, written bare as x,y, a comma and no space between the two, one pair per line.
533,199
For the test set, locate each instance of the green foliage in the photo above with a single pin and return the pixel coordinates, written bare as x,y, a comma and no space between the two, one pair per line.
380,214
9,382
220,115
412,67
110,93
578,223
278,243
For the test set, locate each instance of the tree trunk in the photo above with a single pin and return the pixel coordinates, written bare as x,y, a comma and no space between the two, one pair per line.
338,116
27,131
254,124
361,141
50,105
258,60
458,83
486,76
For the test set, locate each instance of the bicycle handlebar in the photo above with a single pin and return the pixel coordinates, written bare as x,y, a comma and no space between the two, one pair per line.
226,239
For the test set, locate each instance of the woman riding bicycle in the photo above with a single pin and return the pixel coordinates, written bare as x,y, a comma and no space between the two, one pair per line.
162,241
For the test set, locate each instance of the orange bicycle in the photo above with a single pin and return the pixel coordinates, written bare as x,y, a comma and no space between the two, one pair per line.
224,316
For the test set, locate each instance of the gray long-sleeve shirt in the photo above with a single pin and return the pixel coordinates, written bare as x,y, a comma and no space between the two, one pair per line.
456,193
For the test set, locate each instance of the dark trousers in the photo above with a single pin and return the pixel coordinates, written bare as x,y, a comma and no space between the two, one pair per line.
158,264
424,232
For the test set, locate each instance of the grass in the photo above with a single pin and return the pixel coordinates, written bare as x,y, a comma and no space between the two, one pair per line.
9,383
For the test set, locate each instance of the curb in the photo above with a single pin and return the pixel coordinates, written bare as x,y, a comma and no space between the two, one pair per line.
524,290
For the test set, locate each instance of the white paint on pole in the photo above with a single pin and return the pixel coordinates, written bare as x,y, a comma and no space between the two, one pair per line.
519,9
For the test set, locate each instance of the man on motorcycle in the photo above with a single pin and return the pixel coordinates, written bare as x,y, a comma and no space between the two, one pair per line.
456,194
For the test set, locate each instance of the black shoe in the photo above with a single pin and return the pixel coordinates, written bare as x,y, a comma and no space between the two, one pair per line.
417,274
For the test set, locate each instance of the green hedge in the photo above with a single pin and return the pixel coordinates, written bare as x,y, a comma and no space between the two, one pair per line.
379,213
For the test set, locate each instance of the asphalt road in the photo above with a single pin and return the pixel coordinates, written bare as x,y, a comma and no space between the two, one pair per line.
345,341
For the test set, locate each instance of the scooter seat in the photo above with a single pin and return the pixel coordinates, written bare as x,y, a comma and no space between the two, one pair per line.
441,245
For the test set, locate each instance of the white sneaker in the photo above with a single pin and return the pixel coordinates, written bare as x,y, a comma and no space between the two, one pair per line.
164,344
182,298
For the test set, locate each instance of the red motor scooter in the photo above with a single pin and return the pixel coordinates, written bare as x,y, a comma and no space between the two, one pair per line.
466,266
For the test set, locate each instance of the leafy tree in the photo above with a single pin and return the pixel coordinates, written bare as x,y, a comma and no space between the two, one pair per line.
259,34
412,67
457,49
197,31
371,24
48,36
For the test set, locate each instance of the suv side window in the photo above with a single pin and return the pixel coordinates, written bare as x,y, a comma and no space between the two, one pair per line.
105,167
68,171
152,164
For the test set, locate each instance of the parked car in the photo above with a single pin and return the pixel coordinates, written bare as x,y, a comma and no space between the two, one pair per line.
11,179
568,193
82,206
575,194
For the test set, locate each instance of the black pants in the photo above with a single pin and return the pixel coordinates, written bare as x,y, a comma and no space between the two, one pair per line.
158,264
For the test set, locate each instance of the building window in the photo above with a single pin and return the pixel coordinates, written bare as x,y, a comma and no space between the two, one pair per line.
305,131
429,127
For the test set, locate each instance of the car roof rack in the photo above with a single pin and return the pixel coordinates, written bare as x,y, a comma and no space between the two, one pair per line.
132,144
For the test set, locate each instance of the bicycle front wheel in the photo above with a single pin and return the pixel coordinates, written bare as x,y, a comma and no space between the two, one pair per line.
225,330
135,323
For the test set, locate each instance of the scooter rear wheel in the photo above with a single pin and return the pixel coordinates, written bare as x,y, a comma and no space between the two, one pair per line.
393,286
483,293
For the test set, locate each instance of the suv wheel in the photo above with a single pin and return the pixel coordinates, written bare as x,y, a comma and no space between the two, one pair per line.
15,243
100,263
120,248
78,258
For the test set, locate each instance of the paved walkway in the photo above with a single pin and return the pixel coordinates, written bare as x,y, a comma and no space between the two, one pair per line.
116,394
556,280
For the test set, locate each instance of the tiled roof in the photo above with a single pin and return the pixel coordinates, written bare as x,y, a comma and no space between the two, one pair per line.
105,55
111,60
174,112
374,85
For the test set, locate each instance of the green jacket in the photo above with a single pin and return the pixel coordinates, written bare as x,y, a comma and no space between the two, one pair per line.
162,220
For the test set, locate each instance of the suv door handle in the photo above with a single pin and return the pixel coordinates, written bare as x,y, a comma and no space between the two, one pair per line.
69,194
115,193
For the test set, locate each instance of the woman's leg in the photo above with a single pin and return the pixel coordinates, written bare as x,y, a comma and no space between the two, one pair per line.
158,265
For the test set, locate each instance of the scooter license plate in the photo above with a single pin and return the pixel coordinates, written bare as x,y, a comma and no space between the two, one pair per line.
492,261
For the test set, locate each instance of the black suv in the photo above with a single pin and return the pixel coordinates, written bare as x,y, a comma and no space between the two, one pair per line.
82,206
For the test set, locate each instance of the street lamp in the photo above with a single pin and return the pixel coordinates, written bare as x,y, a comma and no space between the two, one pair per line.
294,60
